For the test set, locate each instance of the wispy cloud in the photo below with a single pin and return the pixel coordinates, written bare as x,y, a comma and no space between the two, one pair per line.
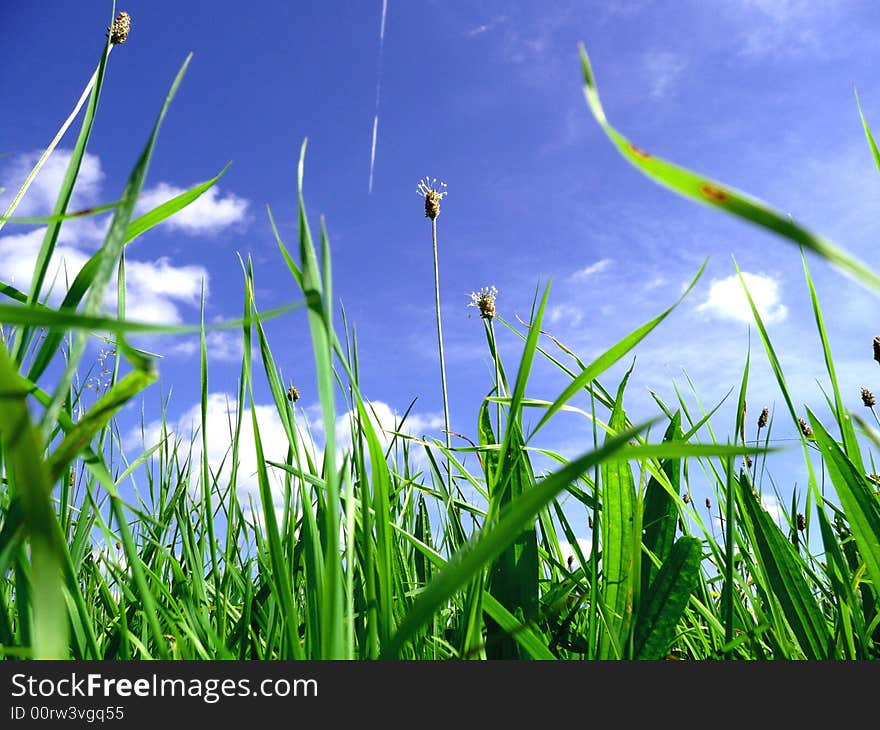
727,299
486,27
591,270
565,314
781,28
663,69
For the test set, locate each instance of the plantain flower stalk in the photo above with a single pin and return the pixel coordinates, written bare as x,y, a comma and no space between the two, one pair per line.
427,188
484,300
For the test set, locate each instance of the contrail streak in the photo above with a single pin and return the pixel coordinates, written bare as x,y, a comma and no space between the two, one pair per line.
373,151
378,94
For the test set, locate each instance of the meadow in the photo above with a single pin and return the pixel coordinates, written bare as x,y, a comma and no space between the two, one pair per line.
392,546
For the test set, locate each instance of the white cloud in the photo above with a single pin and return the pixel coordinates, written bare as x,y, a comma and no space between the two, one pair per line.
42,194
18,256
654,283
223,346
568,554
155,289
220,420
727,299
774,507
386,419
206,215
221,417
595,268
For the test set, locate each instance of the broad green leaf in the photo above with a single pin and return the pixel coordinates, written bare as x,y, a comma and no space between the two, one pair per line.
666,600
619,534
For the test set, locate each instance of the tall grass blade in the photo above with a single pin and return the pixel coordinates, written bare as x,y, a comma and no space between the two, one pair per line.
611,356
492,540
785,576
660,511
860,505
29,480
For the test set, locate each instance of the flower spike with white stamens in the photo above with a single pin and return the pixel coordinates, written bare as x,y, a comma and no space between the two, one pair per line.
427,188
484,299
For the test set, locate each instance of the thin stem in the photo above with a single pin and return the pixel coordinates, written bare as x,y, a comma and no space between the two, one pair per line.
875,415
440,343
499,387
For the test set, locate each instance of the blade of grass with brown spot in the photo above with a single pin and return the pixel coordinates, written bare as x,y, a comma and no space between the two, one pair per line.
715,194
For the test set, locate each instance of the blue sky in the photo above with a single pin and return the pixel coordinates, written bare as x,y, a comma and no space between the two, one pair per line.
487,97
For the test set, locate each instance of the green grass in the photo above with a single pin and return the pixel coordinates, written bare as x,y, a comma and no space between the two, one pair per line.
375,553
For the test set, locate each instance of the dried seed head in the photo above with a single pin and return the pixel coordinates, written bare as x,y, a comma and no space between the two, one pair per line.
762,419
868,398
590,521
427,188
119,29
805,429
484,300
686,497
571,562
801,522
292,394
708,503
71,480
877,348
748,461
